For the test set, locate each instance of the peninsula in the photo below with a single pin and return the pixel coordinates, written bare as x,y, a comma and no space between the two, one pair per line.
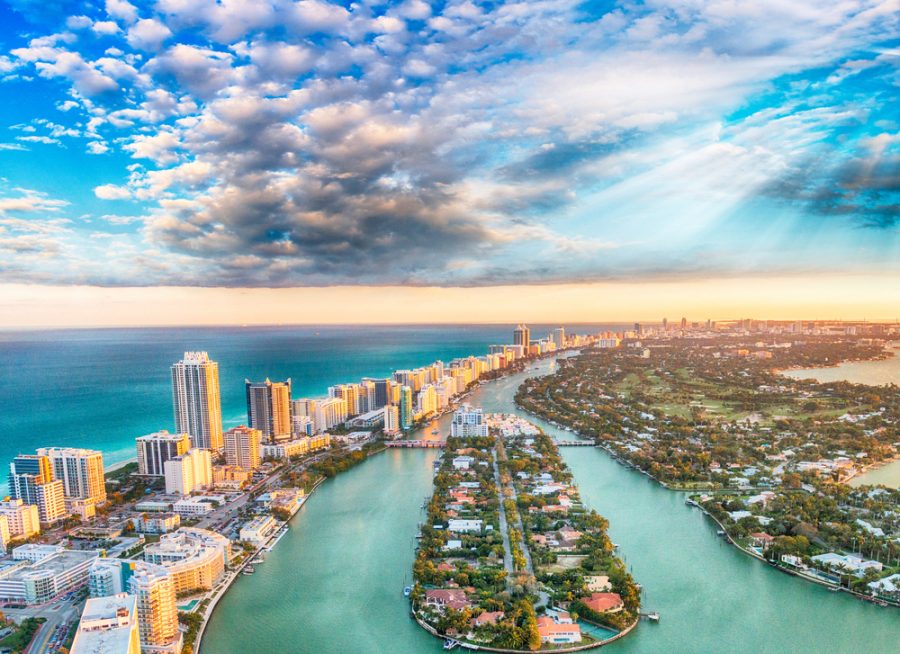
509,558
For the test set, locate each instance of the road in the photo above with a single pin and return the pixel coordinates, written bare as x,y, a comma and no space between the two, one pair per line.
58,614
504,529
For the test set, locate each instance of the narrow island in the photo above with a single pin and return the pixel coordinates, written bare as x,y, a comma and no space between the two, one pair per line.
509,559
766,456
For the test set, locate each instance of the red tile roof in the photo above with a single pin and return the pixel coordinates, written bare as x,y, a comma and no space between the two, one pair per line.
602,602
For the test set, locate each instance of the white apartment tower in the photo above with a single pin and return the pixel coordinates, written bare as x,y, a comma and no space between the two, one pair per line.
195,397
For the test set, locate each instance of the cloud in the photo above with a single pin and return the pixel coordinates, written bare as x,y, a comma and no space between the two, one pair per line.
122,10
112,192
27,201
148,34
273,142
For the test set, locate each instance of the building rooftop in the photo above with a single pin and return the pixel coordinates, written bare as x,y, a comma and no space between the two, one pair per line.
107,625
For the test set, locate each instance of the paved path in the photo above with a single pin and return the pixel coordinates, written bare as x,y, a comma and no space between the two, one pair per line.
504,529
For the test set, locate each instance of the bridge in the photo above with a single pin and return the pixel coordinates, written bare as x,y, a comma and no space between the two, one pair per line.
575,444
423,444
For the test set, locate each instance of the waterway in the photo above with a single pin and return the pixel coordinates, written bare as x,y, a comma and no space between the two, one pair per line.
333,584
875,373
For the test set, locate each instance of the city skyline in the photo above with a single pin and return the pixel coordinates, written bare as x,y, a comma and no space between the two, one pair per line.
632,152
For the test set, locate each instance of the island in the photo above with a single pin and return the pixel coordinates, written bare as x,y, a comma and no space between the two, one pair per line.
509,559
765,455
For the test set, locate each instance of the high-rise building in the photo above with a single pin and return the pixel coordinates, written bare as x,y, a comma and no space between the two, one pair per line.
665,324
522,336
31,480
109,625
407,410
269,409
80,471
559,337
22,519
683,323
350,394
154,589
468,422
330,412
384,392
391,419
242,447
195,397
153,450
5,534
427,401
189,472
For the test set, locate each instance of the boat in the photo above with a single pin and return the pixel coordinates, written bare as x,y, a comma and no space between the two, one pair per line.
249,570
450,644
407,591
834,589
720,532
435,431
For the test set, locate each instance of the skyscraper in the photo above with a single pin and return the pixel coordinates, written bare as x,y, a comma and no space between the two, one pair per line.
195,397
406,407
31,480
269,409
522,336
242,447
559,337
153,450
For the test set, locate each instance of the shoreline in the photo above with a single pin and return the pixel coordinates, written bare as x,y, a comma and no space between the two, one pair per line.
594,641
228,582
210,609
729,539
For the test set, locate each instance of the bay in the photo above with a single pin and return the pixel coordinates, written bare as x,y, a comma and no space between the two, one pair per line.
335,580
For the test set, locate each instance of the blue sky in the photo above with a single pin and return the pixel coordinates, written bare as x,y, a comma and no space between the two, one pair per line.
282,143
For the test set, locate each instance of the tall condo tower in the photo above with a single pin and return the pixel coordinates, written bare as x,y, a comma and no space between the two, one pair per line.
269,409
522,336
195,397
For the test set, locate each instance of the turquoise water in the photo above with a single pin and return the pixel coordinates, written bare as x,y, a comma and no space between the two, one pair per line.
333,585
101,388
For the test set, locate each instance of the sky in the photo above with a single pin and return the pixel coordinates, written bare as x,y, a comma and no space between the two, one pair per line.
251,159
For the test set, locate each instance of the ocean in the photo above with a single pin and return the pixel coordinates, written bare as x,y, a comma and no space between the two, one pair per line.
101,388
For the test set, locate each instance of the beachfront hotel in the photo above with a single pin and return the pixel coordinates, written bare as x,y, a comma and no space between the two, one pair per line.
269,409
153,450
196,401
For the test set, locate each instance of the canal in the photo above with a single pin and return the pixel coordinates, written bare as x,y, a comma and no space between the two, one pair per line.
333,583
